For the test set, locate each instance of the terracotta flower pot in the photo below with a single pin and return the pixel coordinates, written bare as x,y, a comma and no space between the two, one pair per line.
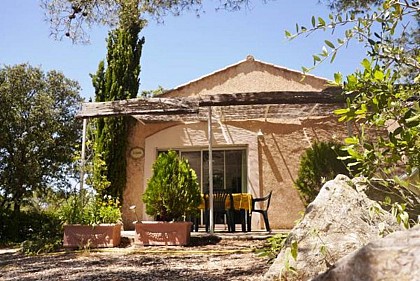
163,233
98,236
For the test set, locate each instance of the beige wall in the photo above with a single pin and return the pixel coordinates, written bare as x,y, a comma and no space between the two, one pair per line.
280,150
135,171
250,76
273,159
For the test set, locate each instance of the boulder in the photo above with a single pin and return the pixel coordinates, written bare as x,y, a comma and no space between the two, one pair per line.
395,257
340,220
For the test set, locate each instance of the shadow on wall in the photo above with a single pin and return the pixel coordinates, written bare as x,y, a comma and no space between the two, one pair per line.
270,159
282,157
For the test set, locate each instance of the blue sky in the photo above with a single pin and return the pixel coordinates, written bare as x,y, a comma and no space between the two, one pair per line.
180,50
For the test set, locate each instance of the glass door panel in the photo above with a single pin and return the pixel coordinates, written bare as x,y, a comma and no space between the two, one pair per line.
194,159
233,170
218,170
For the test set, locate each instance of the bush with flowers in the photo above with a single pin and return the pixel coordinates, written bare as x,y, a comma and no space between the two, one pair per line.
86,208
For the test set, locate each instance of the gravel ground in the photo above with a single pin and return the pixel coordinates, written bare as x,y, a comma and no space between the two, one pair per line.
206,259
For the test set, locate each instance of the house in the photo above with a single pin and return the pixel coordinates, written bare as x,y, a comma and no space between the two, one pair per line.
262,116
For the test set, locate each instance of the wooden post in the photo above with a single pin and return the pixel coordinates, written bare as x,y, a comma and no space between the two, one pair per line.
210,133
83,156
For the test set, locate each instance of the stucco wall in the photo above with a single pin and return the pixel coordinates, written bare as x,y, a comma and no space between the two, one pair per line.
273,158
281,148
135,167
250,76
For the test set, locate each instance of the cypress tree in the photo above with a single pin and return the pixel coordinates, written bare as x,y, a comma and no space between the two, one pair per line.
117,80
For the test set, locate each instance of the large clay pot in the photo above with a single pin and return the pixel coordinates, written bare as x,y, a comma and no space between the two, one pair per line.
98,236
162,233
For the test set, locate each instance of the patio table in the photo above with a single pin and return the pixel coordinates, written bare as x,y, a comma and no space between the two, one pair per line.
242,202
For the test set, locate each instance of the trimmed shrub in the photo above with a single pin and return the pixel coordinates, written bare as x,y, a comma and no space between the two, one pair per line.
319,164
172,192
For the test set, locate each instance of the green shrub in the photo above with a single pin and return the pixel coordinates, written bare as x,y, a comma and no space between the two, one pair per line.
317,165
16,227
39,245
172,192
37,231
88,209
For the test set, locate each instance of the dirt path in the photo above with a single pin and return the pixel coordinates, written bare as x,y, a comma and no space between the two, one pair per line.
227,259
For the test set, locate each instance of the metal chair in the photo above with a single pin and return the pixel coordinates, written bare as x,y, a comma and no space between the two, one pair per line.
220,205
263,210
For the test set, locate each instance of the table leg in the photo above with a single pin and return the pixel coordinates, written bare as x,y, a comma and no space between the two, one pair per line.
243,219
248,220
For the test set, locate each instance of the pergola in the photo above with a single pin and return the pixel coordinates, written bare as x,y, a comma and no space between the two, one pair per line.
229,107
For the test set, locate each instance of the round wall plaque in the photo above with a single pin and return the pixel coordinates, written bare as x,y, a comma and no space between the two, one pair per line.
137,152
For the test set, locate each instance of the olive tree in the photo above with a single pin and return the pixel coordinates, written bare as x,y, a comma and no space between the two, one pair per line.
382,97
38,132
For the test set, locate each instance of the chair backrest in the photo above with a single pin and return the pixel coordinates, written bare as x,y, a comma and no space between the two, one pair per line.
220,197
265,200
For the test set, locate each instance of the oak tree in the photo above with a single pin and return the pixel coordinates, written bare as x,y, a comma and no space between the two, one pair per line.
39,135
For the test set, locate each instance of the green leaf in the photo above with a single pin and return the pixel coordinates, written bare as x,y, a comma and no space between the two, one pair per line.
351,140
371,42
288,34
321,21
344,118
294,249
341,111
362,110
412,119
351,164
379,75
313,21
354,153
305,69
329,44
338,77
351,80
366,64
333,57
316,58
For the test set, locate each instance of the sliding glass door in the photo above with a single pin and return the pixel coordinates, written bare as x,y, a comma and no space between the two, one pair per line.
229,172
229,168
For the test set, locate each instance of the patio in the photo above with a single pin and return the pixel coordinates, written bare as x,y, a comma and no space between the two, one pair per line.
223,256
220,232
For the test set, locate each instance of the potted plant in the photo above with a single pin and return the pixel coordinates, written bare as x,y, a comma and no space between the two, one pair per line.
172,197
91,221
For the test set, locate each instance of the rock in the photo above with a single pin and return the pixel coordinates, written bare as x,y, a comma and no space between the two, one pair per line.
395,257
340,220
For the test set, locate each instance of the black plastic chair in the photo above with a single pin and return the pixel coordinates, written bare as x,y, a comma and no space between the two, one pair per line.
219,205
263,210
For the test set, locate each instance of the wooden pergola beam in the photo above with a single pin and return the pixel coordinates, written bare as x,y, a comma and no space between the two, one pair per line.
284,97
138,106
190,105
